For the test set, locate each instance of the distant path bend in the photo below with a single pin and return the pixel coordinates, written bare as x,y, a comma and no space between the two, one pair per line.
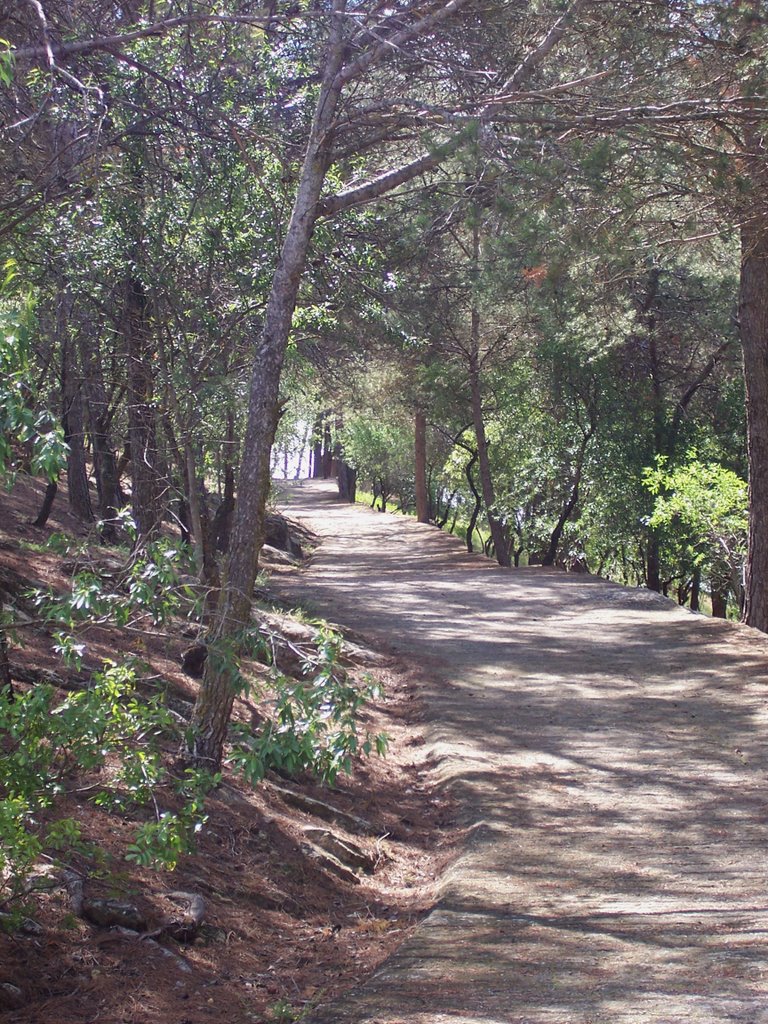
613,750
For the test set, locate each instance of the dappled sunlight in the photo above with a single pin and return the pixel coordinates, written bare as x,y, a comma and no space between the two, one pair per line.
608,752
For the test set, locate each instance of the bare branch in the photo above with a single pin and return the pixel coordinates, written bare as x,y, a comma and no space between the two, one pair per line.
385,182
63,50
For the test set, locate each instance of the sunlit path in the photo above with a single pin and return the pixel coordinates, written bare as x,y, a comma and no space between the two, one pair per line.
610,750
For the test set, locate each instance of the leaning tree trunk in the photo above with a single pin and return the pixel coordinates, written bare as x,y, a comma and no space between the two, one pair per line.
211,714
565,515
51,490
570,504
753,320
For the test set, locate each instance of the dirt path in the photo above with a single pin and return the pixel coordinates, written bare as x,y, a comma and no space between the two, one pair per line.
610,751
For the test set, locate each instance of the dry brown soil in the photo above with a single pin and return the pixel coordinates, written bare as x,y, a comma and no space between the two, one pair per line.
609,752
281,930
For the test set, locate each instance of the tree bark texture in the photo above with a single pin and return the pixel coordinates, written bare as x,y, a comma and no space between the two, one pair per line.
753,320
210,718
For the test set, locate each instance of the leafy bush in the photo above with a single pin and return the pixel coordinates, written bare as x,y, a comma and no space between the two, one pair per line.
314,726
702,508
25,430
109,729
116,730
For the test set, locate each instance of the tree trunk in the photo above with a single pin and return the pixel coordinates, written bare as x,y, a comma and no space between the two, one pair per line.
565,515
72,419
45,509
653,564
211,714
753,320
327,458
300,461
420,467
500,543
222,521
719,603
99,419
695,590
347,481
317,447
146,486
570,505
478,501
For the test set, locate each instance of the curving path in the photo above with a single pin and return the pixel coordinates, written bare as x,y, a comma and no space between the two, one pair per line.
610,750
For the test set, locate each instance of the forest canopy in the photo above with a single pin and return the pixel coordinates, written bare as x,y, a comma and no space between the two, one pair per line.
504,265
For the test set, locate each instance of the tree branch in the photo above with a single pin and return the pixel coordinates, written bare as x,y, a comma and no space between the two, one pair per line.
386,182
63,50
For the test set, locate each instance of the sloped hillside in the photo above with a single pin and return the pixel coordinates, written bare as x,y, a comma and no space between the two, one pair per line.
294,889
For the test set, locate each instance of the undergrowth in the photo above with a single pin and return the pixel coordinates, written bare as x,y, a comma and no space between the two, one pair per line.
120,734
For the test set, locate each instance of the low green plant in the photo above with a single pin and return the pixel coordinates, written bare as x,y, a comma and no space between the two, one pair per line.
109,729
116,728
283,1012
148,585
314,726
163,841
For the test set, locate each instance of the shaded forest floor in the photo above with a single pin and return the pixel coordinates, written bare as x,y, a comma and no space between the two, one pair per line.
283,929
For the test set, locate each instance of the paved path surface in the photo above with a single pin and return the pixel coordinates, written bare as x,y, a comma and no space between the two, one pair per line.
611,751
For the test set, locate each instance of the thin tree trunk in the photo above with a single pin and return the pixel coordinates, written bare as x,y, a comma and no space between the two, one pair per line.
478,501
99,420
327,451
222,521
753,320
45,509
420,467
302,449
73,420
146,487
317,447
570,505
557,533
211,714
500,543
